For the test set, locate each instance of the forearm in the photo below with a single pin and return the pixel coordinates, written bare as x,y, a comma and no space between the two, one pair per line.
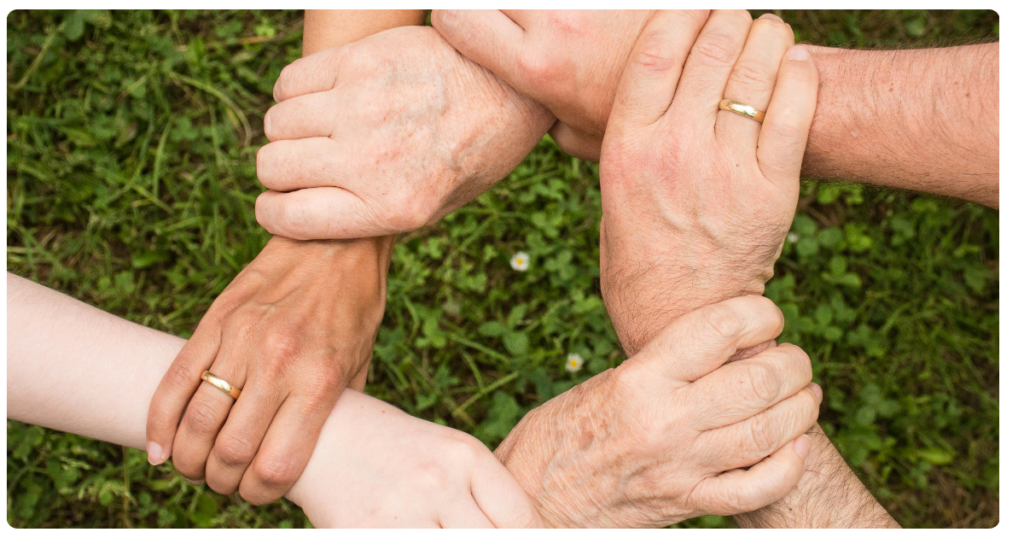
74,368
924,120
829,495
326,28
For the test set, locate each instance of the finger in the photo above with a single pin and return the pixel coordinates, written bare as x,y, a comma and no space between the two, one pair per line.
238,441
177,387
741,389
304,116
652,71
287,165
740,490
358,381
529,19
488,37
501,498
310,74
699,342
709,64
464,515
576,143
753,79
318,213
780,148
748,442
204,417
286,448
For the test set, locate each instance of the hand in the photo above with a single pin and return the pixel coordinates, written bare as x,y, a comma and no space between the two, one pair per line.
666,435
291,331
568,61
375,466
386,135
697,201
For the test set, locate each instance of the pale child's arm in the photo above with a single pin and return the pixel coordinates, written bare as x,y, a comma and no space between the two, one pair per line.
75,368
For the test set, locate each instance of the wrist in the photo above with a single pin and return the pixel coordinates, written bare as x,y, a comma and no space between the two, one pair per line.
640,310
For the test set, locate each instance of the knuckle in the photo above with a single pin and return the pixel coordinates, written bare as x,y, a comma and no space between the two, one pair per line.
465,448
715,50
202,418
431,476
181,375
803,361
293,216
537,68
749,74
656,53
276,472
282,344
763,381
788,128
760,436
235,451
724,322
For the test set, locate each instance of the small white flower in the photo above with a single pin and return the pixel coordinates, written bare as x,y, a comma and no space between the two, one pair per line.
793,237
521,261
573,362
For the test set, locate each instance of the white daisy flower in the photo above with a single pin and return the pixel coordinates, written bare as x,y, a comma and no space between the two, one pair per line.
793,237
521,261
573,362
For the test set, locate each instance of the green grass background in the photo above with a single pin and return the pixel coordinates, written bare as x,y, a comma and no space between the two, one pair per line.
131,179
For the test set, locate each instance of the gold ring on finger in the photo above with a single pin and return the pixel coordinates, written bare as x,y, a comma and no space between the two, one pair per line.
742,109
224,386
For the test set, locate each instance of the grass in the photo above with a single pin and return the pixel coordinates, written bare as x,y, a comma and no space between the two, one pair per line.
130,183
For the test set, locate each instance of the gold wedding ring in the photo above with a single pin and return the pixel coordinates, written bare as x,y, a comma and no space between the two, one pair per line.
742,109
228,389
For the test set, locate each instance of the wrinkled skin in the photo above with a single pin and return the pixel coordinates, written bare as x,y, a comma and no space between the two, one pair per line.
666,435
569,61
697,201
386,135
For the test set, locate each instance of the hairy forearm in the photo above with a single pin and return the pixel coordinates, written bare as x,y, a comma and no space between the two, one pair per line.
829,495
924,120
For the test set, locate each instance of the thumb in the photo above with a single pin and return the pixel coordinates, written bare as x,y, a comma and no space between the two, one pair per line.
745,490
489,38
318,213
701,341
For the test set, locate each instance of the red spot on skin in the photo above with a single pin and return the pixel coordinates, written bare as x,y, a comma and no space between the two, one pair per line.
968,95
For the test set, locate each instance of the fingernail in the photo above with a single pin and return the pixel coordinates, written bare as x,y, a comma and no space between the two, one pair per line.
802,446
816,389
194,482
771,16
155,453
798,52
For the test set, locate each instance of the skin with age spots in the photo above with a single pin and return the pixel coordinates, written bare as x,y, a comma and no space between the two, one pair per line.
411,132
